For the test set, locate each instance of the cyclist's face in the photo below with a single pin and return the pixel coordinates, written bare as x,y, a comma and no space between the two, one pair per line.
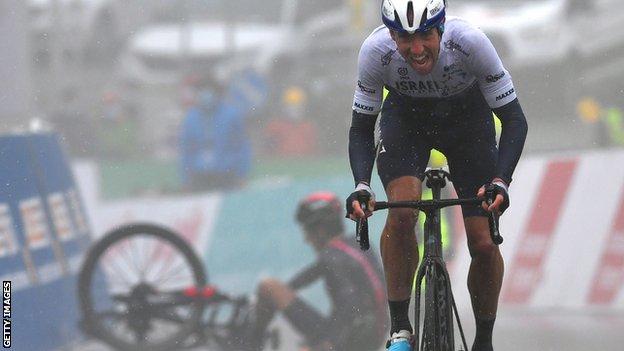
420,49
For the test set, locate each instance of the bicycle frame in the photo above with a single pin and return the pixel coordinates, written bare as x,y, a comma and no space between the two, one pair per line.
440,307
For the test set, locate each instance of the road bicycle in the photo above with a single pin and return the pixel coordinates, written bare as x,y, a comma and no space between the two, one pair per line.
142,287
440,309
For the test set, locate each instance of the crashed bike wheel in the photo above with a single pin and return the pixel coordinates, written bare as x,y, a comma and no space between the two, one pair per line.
131,289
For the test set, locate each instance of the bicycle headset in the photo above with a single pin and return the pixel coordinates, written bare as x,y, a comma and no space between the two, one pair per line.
411,16
321,209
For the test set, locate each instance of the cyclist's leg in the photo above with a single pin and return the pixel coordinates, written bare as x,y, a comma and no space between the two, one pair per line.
275,296
309,322
272,296
471,166
485,279
399,249
403,157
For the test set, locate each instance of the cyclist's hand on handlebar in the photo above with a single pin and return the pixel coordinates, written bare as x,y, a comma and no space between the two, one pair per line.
362,194
497,189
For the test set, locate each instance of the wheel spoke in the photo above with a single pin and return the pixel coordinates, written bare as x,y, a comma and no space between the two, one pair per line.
157,257
179,270
113,272
145,262
129,258
185,280
137,260
151,256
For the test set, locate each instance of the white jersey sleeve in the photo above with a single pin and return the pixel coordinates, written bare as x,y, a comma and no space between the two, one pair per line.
368,95
484,63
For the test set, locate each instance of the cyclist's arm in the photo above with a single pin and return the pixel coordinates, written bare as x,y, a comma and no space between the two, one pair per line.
307,276
497,87
362,146
367,102
513,135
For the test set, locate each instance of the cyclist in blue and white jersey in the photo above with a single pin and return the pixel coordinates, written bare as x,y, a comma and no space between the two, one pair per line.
444,79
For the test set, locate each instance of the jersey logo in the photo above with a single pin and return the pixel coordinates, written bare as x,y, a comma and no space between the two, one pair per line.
492,78
402,71
365,89
453,70
363,107
420,87
502,96
451,45
385,59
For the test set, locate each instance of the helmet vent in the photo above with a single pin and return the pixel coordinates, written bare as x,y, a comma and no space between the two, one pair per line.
423,19
398,19
410,14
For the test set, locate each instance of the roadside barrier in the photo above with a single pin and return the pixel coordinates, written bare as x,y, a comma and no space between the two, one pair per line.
44,234
564,232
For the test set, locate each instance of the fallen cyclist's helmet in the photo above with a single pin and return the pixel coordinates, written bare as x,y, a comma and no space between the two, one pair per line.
322,208
410,16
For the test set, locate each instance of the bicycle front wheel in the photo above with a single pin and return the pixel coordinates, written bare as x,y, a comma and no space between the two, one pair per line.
132,285
438,324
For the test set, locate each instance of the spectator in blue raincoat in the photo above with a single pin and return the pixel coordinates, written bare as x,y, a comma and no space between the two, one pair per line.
215,152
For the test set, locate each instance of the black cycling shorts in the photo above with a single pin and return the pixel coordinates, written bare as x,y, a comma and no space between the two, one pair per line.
315,328
461,127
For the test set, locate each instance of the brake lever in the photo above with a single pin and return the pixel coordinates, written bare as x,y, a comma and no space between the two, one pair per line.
493,217
361,230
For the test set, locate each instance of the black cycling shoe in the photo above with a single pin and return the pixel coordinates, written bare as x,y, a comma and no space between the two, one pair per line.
482,346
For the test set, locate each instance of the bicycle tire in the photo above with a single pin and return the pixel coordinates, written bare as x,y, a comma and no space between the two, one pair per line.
92,322
438,320
444,310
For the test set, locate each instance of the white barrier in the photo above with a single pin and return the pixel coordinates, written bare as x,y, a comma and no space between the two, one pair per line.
564,235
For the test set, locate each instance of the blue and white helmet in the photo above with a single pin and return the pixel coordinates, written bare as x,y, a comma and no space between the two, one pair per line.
410,16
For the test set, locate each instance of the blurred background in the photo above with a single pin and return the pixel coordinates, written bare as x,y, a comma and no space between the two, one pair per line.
181,111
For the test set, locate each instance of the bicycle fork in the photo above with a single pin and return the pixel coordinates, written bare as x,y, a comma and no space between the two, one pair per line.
440,308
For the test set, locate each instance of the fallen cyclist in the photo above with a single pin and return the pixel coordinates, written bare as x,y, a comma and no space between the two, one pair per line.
353,281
